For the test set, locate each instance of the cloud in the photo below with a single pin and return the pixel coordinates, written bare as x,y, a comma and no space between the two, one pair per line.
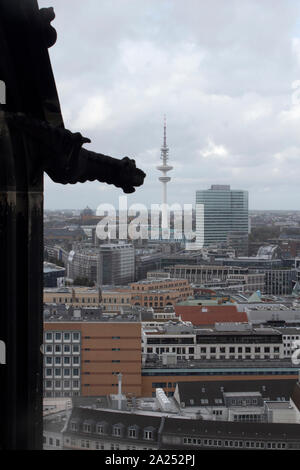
213,151
226,74
94,113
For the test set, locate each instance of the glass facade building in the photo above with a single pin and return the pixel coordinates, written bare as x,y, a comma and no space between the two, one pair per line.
224,211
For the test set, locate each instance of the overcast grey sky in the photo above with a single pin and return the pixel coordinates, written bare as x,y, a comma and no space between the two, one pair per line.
225,72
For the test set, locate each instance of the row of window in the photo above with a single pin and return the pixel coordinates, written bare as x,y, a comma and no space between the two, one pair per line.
239,444
51,441
86,444
59,348
214,350
61,384
240,357
77,300
215,354
115,301
205,372
154,298
183,351
213,272
249,340
59,393
170,340
58,372
240,349
117,431
163,286
58,361
250,418
243,401
208,349
150,304
59,336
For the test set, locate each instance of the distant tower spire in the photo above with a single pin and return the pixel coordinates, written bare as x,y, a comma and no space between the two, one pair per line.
165,133
164,168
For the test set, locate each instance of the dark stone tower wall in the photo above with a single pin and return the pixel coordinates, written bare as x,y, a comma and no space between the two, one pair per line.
21,225
21,322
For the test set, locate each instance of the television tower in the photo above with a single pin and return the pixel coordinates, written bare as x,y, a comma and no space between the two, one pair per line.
164,168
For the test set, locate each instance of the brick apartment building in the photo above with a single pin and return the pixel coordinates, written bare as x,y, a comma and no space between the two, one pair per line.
158,294
155,294
84,357
110,300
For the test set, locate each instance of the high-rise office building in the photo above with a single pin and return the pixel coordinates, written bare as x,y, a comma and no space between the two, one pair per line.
221,211
117,263
110,263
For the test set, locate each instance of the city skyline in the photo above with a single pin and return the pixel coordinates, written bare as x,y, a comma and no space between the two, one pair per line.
167,318
228,83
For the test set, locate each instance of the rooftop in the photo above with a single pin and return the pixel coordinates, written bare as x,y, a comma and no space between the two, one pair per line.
217,389
221,429
158,281
53,426
275,405
210,314
179,426
61,313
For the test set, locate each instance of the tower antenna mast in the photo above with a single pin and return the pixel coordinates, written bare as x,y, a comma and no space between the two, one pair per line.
164,168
